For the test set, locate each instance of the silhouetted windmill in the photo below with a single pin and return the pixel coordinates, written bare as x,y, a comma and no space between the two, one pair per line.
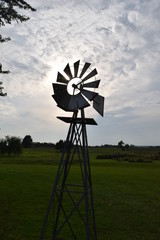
70,213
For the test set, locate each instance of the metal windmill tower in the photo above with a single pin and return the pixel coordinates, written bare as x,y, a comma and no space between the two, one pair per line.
70,213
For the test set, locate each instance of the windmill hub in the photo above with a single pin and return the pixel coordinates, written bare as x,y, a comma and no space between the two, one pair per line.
73,86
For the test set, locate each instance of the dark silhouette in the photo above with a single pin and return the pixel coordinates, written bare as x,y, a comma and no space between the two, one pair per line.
123,146
2,94
10,145
60,145
27,141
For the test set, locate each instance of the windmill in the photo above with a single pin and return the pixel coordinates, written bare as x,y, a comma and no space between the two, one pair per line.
71,205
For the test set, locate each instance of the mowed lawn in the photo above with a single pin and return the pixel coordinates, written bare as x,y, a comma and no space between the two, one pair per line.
126,197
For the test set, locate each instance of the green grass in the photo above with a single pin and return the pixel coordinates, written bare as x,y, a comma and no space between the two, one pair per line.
34,155
126,196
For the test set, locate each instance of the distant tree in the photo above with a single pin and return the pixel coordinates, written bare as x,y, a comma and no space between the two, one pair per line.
60,145
10,145
8,14
14,145
123,146
27,141
3,146
127,147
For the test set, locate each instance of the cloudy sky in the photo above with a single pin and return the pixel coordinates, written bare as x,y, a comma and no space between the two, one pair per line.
121,39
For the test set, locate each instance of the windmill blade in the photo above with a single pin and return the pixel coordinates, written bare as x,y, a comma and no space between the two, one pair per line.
57,98
73,102
67,70
98,104
59,92
82,102
88,94
61,78
59,89
77,102
64,102
90,75
94,84
85,67
76,67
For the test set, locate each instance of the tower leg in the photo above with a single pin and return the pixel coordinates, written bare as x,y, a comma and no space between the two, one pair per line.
89,206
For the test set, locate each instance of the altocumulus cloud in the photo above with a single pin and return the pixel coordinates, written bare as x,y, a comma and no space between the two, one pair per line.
119,38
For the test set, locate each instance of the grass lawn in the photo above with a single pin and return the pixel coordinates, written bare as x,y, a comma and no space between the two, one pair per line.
126,196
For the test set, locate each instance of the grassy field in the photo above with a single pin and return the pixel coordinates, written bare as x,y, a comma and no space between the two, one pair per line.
126,194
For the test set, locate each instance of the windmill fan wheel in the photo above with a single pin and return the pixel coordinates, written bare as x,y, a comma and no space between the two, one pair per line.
78,91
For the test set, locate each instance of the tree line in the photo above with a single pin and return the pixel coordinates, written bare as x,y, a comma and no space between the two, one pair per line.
14,145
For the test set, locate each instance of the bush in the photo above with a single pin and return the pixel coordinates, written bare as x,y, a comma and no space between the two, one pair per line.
60,145
116,156
10,145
